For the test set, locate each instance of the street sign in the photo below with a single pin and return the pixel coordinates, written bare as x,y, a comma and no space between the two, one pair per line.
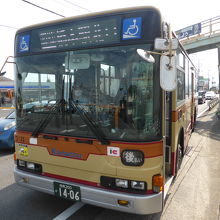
189,31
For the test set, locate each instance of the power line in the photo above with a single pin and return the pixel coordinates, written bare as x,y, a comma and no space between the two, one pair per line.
43,8
66,5
6,26
78,6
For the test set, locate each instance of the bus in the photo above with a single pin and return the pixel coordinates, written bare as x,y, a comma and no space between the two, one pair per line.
112,110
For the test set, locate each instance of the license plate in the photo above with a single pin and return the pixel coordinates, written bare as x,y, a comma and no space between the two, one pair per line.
67,191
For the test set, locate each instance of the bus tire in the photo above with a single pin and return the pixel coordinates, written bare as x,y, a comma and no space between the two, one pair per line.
179,156
194,122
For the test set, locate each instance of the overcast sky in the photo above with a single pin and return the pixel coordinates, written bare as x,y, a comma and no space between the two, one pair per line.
16,14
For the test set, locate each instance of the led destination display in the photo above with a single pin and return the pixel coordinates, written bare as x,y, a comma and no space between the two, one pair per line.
79,35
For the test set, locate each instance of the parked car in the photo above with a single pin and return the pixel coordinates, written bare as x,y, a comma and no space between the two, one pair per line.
210,95
201,97
7,129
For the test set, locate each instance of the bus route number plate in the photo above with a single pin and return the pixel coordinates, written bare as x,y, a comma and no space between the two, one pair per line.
67,191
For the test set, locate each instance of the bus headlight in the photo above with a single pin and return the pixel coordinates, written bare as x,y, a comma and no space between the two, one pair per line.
121,183
138,185
30,165
21,163
132,158
125,185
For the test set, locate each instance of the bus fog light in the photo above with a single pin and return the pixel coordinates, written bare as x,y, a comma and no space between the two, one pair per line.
25,179
137,185
21,163
30,165
121,183
132,157
123,202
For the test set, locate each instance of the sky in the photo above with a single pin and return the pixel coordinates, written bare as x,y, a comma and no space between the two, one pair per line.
17,13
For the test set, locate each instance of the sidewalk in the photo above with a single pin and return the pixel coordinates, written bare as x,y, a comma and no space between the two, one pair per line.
6,105
195,193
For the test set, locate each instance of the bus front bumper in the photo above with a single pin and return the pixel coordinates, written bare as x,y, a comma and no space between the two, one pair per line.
138,204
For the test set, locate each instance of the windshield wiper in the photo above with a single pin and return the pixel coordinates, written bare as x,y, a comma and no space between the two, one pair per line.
60,104
45,121
92,125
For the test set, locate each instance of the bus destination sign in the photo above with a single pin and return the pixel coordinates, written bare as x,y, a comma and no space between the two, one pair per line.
81,34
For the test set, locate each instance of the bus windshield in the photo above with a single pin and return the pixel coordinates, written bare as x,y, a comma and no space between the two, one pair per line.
112,88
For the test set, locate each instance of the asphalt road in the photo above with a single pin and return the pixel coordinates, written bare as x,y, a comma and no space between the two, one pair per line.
195,193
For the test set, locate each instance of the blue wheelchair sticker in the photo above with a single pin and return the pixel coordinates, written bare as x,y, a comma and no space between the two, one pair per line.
24,43
132,28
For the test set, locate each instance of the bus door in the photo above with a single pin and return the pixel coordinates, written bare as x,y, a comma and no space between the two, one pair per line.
168,121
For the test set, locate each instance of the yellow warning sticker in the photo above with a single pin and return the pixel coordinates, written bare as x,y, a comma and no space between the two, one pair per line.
23,151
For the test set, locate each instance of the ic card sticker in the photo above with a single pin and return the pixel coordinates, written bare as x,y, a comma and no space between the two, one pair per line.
113,151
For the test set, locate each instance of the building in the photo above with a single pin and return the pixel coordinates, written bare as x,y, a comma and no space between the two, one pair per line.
203,83
6,88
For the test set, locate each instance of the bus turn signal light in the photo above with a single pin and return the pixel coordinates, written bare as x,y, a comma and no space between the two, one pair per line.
15,158
157,183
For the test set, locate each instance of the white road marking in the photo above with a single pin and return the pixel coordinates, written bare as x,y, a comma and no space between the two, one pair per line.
68,212
201,113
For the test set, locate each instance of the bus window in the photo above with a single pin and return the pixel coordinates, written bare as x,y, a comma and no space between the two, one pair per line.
190,81
181,59
187,79
109,84
180,86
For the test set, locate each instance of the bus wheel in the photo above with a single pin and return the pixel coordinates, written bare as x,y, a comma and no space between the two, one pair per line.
194,123
179,157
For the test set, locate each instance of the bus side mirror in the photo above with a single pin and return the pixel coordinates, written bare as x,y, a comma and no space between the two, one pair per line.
168,74
6,61
2,73
146,55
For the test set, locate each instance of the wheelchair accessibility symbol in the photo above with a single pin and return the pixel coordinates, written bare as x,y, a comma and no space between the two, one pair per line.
132,28
24,43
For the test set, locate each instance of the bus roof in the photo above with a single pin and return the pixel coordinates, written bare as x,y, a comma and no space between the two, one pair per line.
88,15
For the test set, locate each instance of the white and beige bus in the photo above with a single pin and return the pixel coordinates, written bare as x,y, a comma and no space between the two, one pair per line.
104,108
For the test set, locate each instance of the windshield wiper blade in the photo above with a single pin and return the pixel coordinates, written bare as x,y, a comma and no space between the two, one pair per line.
59,104
93,126
45,121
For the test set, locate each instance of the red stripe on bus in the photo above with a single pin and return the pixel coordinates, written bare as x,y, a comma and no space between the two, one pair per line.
70,179
89,183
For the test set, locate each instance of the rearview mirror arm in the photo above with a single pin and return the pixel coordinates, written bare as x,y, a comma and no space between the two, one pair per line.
6,61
